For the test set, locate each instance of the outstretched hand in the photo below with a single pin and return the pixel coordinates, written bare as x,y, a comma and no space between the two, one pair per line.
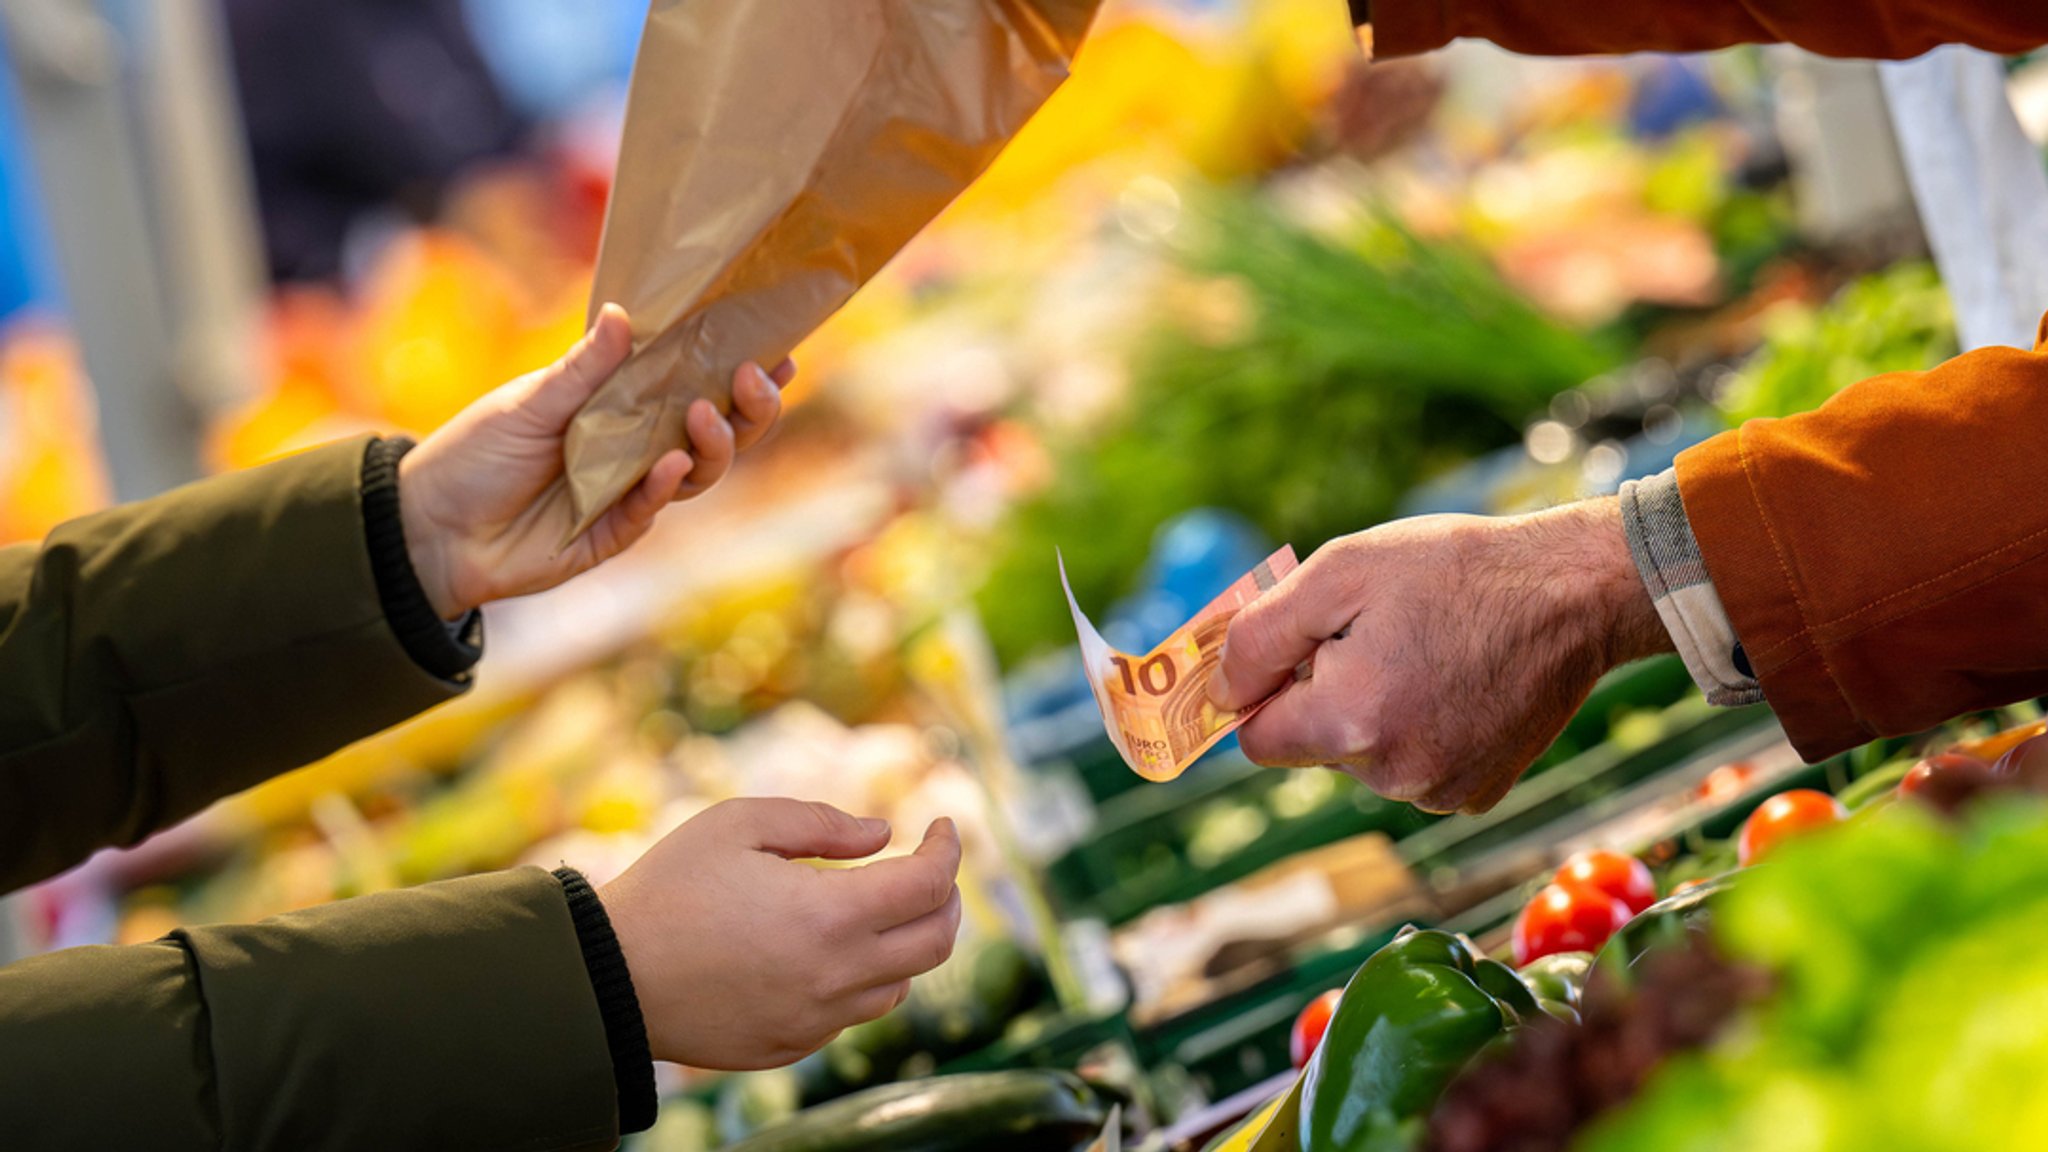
484,499
743,957
1446,652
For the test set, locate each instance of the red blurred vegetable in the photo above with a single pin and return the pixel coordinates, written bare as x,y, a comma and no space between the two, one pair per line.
1725,783
1786,816
2030,758
1621,876
1566,918
1943,770
1309,1026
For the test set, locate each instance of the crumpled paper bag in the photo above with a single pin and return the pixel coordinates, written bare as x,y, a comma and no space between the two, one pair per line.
776,154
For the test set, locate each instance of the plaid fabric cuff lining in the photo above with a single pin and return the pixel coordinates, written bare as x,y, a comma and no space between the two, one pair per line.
1668,558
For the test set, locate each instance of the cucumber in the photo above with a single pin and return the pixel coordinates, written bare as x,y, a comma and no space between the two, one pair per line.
1017,1111
751,1101
1874,784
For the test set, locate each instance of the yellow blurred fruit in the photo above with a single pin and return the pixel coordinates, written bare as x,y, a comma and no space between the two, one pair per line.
51,465
438,318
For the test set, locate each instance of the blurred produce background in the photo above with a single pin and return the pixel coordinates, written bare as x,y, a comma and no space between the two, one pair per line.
1233,287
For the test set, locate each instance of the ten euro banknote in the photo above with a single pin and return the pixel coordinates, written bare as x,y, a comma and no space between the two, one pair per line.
1156,706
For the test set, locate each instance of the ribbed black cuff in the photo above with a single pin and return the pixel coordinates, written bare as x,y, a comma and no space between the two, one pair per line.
1361,12
443,649
625,1033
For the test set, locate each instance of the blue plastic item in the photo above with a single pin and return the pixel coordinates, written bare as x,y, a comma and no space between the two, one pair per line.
1198,554
27,269
1195,556
1673,92
1467,489
1646,458
550,56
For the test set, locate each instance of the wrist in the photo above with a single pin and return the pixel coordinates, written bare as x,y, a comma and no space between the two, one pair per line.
611,981
442,650
1588,547
627,928
427,543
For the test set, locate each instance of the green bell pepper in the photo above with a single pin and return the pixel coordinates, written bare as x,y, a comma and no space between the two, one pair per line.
1666,923
1559,981
1411,1018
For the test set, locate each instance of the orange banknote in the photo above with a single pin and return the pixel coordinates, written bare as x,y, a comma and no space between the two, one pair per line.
1156,706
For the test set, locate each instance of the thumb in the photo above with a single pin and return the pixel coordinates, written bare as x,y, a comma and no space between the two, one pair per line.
561,389
806,829
1269,638
899,889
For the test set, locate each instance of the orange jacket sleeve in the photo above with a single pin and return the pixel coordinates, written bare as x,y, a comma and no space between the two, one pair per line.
1884,558
1883,29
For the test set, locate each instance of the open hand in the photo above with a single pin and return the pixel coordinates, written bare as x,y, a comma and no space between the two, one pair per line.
743,957
484,500
1447,652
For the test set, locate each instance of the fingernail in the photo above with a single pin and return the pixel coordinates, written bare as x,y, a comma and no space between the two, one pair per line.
874,825
761,379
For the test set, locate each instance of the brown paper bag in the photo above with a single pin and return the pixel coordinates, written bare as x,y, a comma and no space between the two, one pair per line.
777,153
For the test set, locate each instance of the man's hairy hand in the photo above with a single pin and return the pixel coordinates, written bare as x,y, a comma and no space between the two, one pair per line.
1446,652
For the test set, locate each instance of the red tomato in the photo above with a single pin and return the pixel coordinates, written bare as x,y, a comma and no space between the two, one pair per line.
1621,876
1309,1026
1785,816
1960,765
1725,783
1566,918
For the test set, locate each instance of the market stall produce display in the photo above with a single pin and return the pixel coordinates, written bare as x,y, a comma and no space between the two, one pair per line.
998,1111
1411,1018
1229,288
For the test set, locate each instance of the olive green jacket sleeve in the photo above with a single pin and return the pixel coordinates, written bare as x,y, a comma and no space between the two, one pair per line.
160,655
455,1015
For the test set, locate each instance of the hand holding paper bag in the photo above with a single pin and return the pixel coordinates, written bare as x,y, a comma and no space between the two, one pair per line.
484,506
777,153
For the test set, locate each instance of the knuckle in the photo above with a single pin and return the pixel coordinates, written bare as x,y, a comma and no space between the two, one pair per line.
801,1042
1256,743
1391,786
1333,560
833,920
727,813
879,1002
829,820
1252,638
816,1042
1411,781
1357,737
938,885
825,985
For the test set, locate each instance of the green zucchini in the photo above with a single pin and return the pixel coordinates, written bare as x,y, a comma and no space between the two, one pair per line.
1016,1111
1879,782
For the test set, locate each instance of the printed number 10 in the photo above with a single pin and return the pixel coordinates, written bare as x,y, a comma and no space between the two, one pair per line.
1157,676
